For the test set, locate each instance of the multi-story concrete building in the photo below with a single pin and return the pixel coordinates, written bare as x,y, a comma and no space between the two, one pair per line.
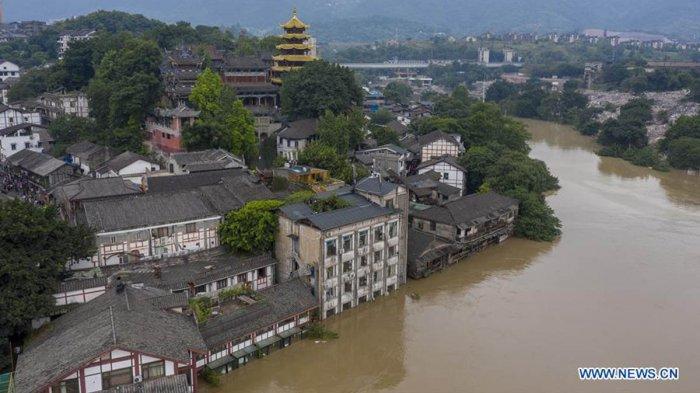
165,127
10,116
67,37
350,255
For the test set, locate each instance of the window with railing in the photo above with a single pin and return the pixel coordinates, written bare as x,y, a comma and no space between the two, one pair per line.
331,249
378,233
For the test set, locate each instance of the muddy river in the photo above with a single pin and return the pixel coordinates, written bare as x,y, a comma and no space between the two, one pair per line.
621,287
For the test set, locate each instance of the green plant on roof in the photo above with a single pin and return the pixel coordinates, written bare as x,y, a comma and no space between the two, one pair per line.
201,306
328,204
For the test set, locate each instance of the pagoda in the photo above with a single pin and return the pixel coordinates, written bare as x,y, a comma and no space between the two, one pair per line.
296,49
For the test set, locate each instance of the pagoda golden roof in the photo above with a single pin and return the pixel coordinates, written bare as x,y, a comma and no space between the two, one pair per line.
282,68
295,22
294,46
293,58
295,36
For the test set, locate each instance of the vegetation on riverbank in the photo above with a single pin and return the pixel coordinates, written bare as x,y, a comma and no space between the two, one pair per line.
317,331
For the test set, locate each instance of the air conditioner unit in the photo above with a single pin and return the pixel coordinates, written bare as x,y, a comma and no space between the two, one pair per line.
138,378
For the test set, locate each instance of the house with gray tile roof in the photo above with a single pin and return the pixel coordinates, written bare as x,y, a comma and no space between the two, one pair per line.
128,165
69,196
204,160
125,323
40,170
451,172
467,225
295,136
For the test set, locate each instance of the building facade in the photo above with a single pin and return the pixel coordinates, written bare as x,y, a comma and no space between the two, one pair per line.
451,172
8,69
296,49
438,144
165,127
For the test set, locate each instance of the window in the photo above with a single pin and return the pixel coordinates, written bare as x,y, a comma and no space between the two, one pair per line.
376,276
392,251
347,266
363,260
331,249
393,229
200,289
362,281
347,243
262,272
161,232
390,203
69,386
13,146
27,145
378,233
241,278
377,256
191,228
362,238
153,370
390,271
446,176
330,292
420,225
118,377
433,226
330,272
221,284
347,288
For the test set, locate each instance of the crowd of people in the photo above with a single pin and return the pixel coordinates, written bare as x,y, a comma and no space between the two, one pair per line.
19,185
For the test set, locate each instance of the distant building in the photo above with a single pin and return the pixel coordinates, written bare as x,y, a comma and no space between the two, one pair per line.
16,138
386,158
68,197
73,103
31,174
8,69
12,116
128,165
350,255
179,71
203,161
437,144
296,48
68,37
165,127
294,138
508,56
451,172
88,156
484,56
426,188
249,76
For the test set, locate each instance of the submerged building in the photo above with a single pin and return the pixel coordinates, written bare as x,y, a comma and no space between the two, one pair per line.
297,48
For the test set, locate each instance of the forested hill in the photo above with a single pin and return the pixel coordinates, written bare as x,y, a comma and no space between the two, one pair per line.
672,17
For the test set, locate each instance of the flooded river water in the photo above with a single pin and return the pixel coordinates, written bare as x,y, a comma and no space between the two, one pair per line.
621,287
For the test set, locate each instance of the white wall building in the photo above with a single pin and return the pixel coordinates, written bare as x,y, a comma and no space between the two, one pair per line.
128,165
8,69
19,137
451,172
10,116
438,144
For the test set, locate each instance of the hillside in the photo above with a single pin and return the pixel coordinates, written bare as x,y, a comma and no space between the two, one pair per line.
672,17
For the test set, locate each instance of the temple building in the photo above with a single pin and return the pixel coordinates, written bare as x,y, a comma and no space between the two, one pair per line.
296,49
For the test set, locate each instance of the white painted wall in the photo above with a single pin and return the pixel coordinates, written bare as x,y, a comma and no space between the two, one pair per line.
449,174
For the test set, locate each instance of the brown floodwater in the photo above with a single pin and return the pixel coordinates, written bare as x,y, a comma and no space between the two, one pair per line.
621,287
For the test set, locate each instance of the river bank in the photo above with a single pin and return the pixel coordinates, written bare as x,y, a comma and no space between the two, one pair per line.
618,288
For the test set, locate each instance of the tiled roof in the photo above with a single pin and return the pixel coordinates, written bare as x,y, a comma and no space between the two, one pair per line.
276,303
467,208
126,319
436,135
190,180
300,129
446,159
37,163
207,160
121,161
91,188
375,186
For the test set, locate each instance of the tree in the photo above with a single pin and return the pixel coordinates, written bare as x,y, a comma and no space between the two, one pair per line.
223,122
630,134
381,117
515,170
319,86
125,88
30,85
536,220
384,135
252,227
500,90
67,130
486,124
398,92
684,153
685,126
344,132
479,160
320,155
35,245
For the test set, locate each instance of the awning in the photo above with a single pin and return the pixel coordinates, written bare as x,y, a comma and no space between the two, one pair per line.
267,342
290,332
241,353
220,362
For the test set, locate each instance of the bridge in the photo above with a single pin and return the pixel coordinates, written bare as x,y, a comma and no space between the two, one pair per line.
416,64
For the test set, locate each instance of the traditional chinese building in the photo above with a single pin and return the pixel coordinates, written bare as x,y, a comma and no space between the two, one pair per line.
296,49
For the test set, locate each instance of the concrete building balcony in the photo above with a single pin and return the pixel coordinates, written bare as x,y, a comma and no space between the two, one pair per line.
377,266
363,250
347,297
331,261
393,241
378,286
392,260
330,282
362,291
330,304
362,271
378,246
391,280
348,256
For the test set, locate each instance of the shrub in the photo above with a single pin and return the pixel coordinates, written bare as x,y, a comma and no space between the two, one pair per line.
317,331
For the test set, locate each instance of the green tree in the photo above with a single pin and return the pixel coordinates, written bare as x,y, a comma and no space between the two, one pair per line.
486,124
252,227
67,130
515,170
381,117
320,155
384,135
398,92
500,90
344,132
35,246
684,153
536,220
207,93
319,86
